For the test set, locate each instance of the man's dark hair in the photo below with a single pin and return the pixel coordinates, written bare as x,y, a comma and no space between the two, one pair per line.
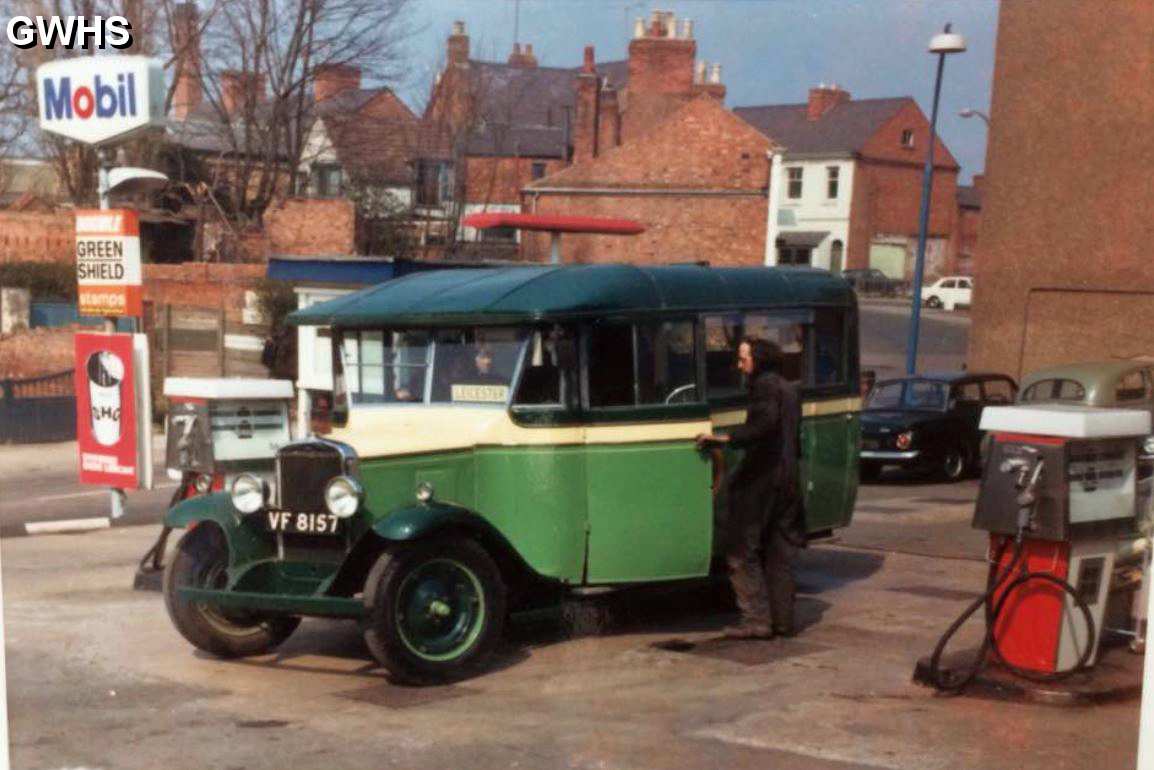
766,355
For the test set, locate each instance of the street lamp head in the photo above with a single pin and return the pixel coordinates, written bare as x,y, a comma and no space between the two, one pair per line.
967,113
947,42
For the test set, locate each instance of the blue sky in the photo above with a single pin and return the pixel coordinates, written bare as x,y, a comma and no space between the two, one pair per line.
771,51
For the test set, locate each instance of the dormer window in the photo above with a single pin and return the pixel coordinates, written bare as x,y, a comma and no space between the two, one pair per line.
908,138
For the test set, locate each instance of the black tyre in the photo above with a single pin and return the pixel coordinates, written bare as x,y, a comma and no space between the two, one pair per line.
869,471
953,464
199,562
934,302
436,609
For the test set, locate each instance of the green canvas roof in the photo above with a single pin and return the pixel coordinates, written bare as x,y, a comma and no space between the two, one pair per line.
570,292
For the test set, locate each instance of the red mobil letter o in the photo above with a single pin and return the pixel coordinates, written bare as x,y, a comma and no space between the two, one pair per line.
83,103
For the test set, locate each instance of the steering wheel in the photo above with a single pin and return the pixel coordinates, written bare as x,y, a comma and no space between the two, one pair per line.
681,390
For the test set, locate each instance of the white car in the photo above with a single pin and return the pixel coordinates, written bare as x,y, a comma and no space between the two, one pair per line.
949,292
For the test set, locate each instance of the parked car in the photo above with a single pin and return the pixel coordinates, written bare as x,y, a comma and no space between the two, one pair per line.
870,281
949,292
1125,384
929,422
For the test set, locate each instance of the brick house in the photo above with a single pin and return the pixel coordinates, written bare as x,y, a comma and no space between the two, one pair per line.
1063,270
966,228
847,183
653,141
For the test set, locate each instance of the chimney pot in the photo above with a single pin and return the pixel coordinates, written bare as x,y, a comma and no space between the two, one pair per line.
699,72
517,49
589,64
687,29
528,49
638,28
715,73
458,27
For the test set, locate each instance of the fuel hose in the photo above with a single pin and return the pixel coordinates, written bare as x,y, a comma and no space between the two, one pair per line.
956,681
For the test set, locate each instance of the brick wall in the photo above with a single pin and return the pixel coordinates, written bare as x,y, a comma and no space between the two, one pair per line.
697,183
202,285
1063,269
499,180
727,230
37,237
311,227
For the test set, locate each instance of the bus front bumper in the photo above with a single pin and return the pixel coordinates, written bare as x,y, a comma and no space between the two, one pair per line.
890,456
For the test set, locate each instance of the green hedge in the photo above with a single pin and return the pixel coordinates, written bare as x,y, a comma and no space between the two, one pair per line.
44,280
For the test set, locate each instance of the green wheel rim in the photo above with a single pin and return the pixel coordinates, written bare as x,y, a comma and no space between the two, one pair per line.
440,610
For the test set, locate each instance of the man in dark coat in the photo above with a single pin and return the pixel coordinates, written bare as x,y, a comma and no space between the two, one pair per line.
765,519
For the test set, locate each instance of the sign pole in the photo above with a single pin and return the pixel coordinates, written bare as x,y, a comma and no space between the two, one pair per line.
118,498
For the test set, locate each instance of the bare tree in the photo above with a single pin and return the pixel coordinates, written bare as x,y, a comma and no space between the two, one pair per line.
260,60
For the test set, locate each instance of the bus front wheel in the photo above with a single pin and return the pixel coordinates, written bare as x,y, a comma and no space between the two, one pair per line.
436,609
200,561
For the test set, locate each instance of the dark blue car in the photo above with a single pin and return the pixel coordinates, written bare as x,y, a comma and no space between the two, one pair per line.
929,422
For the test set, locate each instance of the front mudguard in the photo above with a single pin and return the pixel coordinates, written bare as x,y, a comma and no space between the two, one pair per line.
424,520
246,543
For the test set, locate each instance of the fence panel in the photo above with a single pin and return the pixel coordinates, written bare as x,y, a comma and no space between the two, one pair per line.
38,409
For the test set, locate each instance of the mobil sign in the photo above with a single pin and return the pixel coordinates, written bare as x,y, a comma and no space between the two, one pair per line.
98,99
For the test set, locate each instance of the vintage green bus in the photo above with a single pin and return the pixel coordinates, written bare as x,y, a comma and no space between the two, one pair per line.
500,434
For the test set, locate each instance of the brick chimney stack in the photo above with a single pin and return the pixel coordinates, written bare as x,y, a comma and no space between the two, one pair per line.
333,79
661,59
458,45
238,88
522,58
608,119
707,80
824,98
189,91
587,114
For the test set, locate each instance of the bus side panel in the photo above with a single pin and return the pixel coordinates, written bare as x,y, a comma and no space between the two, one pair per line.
650,512
535,496
829,469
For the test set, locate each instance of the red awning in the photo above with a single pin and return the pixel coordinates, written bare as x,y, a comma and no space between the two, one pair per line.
555,224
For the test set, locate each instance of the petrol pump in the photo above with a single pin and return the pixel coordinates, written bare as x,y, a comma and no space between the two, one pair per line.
1060,497
218,428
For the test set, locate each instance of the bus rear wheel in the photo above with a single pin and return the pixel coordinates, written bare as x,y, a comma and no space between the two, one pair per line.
200,561
436,610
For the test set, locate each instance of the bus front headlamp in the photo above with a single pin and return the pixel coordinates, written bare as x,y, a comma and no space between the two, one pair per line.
343,496
905,440
249,493
1148,446
424,492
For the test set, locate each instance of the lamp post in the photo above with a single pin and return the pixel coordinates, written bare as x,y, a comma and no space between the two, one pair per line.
969,112
942,44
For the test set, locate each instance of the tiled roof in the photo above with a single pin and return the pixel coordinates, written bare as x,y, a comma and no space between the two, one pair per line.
843,129
969,197
524,110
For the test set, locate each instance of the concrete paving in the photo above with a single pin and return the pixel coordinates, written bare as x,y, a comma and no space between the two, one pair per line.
98,677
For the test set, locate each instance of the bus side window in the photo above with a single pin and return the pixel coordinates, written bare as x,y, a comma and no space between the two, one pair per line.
611,365
722,336
829,348
549,370
790,336
666,363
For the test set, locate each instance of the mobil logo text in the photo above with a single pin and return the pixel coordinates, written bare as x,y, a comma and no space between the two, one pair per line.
110,96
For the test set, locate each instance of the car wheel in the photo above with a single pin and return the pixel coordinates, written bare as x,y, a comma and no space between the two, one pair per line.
200,561
953,464
436,609
934,302
869,472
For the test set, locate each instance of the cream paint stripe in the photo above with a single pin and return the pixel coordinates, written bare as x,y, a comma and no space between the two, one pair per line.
400,430
396,430
808,409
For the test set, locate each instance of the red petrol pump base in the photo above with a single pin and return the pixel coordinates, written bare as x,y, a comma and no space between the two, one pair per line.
1028,630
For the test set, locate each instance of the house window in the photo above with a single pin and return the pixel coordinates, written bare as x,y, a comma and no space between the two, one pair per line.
328,181
538,170
831,181
794,191
499,235
908,138
435,182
